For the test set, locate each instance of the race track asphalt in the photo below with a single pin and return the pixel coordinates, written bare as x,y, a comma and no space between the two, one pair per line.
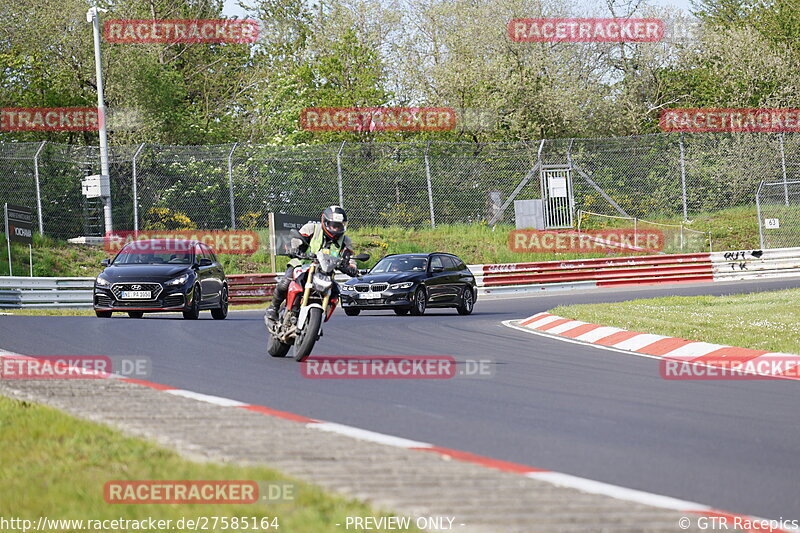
550,404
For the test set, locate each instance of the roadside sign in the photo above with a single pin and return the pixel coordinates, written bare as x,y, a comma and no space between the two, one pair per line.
19,224
19,228
90,186
283,225
772,223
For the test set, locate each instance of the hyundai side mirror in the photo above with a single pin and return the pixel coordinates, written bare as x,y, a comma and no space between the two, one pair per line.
437,269
363,271
105,262
204,262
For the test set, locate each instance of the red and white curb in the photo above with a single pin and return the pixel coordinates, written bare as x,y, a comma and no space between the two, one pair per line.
554,478
662,347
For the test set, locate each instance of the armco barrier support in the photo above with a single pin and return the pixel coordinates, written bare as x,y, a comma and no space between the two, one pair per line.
503,279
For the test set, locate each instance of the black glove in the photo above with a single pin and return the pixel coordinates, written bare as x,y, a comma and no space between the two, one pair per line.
350,271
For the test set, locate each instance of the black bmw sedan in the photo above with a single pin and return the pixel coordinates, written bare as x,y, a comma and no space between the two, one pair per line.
162,275
412,283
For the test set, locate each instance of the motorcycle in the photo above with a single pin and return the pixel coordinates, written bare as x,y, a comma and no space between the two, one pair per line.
300,316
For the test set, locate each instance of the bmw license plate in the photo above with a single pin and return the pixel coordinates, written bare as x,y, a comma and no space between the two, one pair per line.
135,295
370,295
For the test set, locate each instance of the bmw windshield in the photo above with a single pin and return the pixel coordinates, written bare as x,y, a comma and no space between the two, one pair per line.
400,264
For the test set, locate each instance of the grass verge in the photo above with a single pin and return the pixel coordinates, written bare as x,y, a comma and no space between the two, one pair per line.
55,465
762,321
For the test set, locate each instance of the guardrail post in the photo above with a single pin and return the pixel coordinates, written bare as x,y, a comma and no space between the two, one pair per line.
339,173
430,189
230,185
683,179
136,190
38,187
783,167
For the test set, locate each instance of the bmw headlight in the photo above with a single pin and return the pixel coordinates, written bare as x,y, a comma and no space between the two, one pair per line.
102,282
322,282
404,285
347,288
180,280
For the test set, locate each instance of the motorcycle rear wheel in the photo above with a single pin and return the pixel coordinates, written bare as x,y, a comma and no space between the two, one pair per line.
275,347
306,340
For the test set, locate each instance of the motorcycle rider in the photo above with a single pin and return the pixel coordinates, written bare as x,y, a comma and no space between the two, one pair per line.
328,234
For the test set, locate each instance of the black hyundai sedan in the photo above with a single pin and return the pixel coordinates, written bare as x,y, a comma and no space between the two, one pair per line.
412,283
162,275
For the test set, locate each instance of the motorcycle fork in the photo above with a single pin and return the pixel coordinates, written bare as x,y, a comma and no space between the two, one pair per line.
308,287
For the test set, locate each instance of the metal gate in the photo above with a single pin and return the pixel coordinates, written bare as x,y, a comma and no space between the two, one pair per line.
557,196
778,207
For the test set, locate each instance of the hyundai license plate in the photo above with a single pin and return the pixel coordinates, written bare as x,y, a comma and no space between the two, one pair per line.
135,295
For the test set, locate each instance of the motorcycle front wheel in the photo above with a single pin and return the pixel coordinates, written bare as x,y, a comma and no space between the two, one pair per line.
305,341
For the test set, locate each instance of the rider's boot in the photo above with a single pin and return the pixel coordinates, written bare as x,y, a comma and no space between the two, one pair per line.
278,296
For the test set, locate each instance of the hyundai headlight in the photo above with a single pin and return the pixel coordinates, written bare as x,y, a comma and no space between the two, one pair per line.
102,282
180,280
404,285
322,282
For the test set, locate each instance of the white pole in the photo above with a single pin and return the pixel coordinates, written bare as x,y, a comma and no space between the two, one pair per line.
339,173
105,179
38,188
272,241
8,240
136,191
30,258
230,186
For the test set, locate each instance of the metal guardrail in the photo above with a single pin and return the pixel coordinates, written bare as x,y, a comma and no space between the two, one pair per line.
500,279
17,292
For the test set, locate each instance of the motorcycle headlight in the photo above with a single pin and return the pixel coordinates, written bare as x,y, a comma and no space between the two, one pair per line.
322,282
180,280
102,282
404,285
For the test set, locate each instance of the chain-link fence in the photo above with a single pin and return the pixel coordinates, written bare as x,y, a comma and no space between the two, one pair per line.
409,184
779,213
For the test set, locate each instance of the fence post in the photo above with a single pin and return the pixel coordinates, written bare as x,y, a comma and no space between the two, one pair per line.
683,179
38,187
339,173
758,214
230,185
430,189
783,168
136,190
